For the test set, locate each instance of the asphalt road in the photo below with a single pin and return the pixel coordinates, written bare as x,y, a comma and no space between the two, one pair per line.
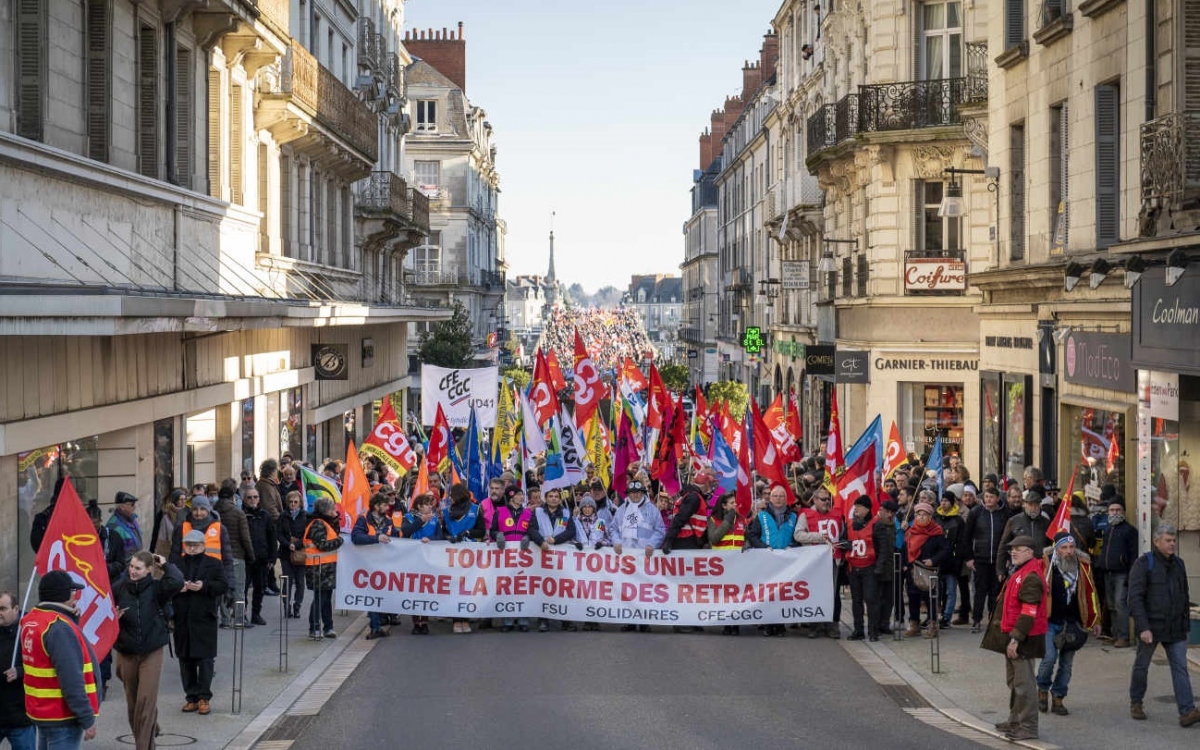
612,690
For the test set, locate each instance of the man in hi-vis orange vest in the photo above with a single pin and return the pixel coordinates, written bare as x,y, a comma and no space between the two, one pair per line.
62,695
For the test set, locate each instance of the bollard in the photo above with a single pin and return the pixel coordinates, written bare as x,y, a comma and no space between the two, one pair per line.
285,612
935,645
898,598
239,654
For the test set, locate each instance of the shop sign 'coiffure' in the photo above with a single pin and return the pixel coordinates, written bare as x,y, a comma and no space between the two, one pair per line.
1100,359
931,275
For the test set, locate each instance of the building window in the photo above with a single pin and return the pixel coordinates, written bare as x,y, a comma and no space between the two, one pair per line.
98,79
426,115
237,145
1016,193
847,277
1059,161
861,275
941,40
1108,165
428,175
248,464
31,68
1099,436
147,101
215,189
1014,23
933,232
928,411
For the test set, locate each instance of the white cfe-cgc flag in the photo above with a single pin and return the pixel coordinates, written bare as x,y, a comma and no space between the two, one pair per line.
458,390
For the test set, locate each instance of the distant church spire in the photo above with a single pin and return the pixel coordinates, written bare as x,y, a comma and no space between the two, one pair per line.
550,283
550,272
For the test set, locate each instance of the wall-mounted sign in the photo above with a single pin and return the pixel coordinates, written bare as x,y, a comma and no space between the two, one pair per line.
1100,359
1166,322
934,275
330,362
852,366
819,359
795,274
752,340
368,353
789,348
927,365
692,354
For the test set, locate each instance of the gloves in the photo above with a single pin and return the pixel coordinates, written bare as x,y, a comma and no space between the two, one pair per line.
579,546
666,548
599,546
525,544
500,541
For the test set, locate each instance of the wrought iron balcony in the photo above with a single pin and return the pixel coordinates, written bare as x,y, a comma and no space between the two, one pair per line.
440,276
384,193
368,50
491,279
822,131
395,75
846,118
911,105
977,71
316,90
1171,159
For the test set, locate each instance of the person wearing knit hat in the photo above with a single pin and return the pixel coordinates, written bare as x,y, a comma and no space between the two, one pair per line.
1073,609
928,548
1118,551
200,517
949,516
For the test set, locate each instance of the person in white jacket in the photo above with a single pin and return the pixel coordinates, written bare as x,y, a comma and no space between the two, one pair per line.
639,525
591,533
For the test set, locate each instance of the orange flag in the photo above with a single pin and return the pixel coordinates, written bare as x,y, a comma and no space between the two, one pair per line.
356,492
421,486
893,457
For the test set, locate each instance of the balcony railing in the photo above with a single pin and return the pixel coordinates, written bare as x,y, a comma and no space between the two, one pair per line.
822,131
846,118
977,71
446,275
368,50
910,105
316,89
395,74
1171,158
420,208
275,13
384,192
491,279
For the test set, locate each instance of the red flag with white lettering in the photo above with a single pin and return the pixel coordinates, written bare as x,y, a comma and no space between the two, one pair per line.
72,544
388,443
781,430
543,396
587,383
857,480
768,459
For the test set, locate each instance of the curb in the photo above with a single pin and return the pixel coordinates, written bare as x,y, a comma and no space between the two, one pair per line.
881,654
261,724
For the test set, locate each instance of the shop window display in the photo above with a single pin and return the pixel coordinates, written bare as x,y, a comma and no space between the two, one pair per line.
1174,446
1096,438
928,411
37,473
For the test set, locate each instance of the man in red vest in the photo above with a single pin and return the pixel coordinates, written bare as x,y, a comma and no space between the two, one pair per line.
859,545
1024,619
62,697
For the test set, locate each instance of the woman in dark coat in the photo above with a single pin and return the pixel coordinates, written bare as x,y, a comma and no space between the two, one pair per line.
196,621
926,546
141,601
290,533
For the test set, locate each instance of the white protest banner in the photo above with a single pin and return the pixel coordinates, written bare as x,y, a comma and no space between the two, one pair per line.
684,588
457,390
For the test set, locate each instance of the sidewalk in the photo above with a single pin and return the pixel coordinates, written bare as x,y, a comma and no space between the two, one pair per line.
969,688
266,691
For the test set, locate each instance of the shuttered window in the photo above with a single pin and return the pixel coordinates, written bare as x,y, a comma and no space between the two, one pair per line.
1059,202
1108,165
147,100
847,277
1014,23
31,68
286,205
1016,193
1191,80
264,203
237,146
862,275
97,78
214,134
185,162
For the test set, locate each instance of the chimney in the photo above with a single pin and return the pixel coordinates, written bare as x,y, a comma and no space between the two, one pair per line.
752,78
717,131
444,50
733,110
769,55
706,149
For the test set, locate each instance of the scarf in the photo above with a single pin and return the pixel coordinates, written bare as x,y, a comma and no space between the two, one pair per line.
918,535
1069,570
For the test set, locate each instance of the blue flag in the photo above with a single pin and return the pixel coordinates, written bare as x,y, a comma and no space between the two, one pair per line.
725,463
935,464
476,467
873,435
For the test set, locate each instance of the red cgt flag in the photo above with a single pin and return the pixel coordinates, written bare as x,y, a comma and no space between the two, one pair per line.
587,383
71,544
543,395
858,480
388,443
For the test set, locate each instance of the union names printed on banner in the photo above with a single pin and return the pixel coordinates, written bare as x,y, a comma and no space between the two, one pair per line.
684,588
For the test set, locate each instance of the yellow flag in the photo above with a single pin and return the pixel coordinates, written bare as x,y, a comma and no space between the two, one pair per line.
598,450
506,421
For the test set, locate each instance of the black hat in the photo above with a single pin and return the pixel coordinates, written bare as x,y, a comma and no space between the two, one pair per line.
1107,493
125,497
1022,541
1116,500
889,505
225,492
864,501
56,586
511,491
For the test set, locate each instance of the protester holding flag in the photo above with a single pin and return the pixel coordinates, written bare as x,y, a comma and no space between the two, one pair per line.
290,531
823,525
375,527
204,583
1071,609
61,695
14,723
858,542
141,595
321,542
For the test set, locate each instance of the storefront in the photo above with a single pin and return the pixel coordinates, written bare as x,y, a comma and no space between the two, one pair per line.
1166,351
1008,364
818,393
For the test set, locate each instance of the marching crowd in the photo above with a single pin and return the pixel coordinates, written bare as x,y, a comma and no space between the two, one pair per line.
969,555
609,335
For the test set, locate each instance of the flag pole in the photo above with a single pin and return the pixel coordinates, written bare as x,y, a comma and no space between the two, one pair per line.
24,606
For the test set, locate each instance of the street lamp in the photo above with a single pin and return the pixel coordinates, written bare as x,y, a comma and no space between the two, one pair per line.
952,204
1071,276
827,264
1177,263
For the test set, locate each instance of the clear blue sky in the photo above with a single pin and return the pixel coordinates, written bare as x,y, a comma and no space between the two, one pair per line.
597,108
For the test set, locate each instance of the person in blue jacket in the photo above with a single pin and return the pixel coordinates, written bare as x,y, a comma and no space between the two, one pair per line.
552,525
422,524
375,527
772,528
462,521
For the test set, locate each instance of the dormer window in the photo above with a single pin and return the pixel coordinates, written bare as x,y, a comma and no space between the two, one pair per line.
426,115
